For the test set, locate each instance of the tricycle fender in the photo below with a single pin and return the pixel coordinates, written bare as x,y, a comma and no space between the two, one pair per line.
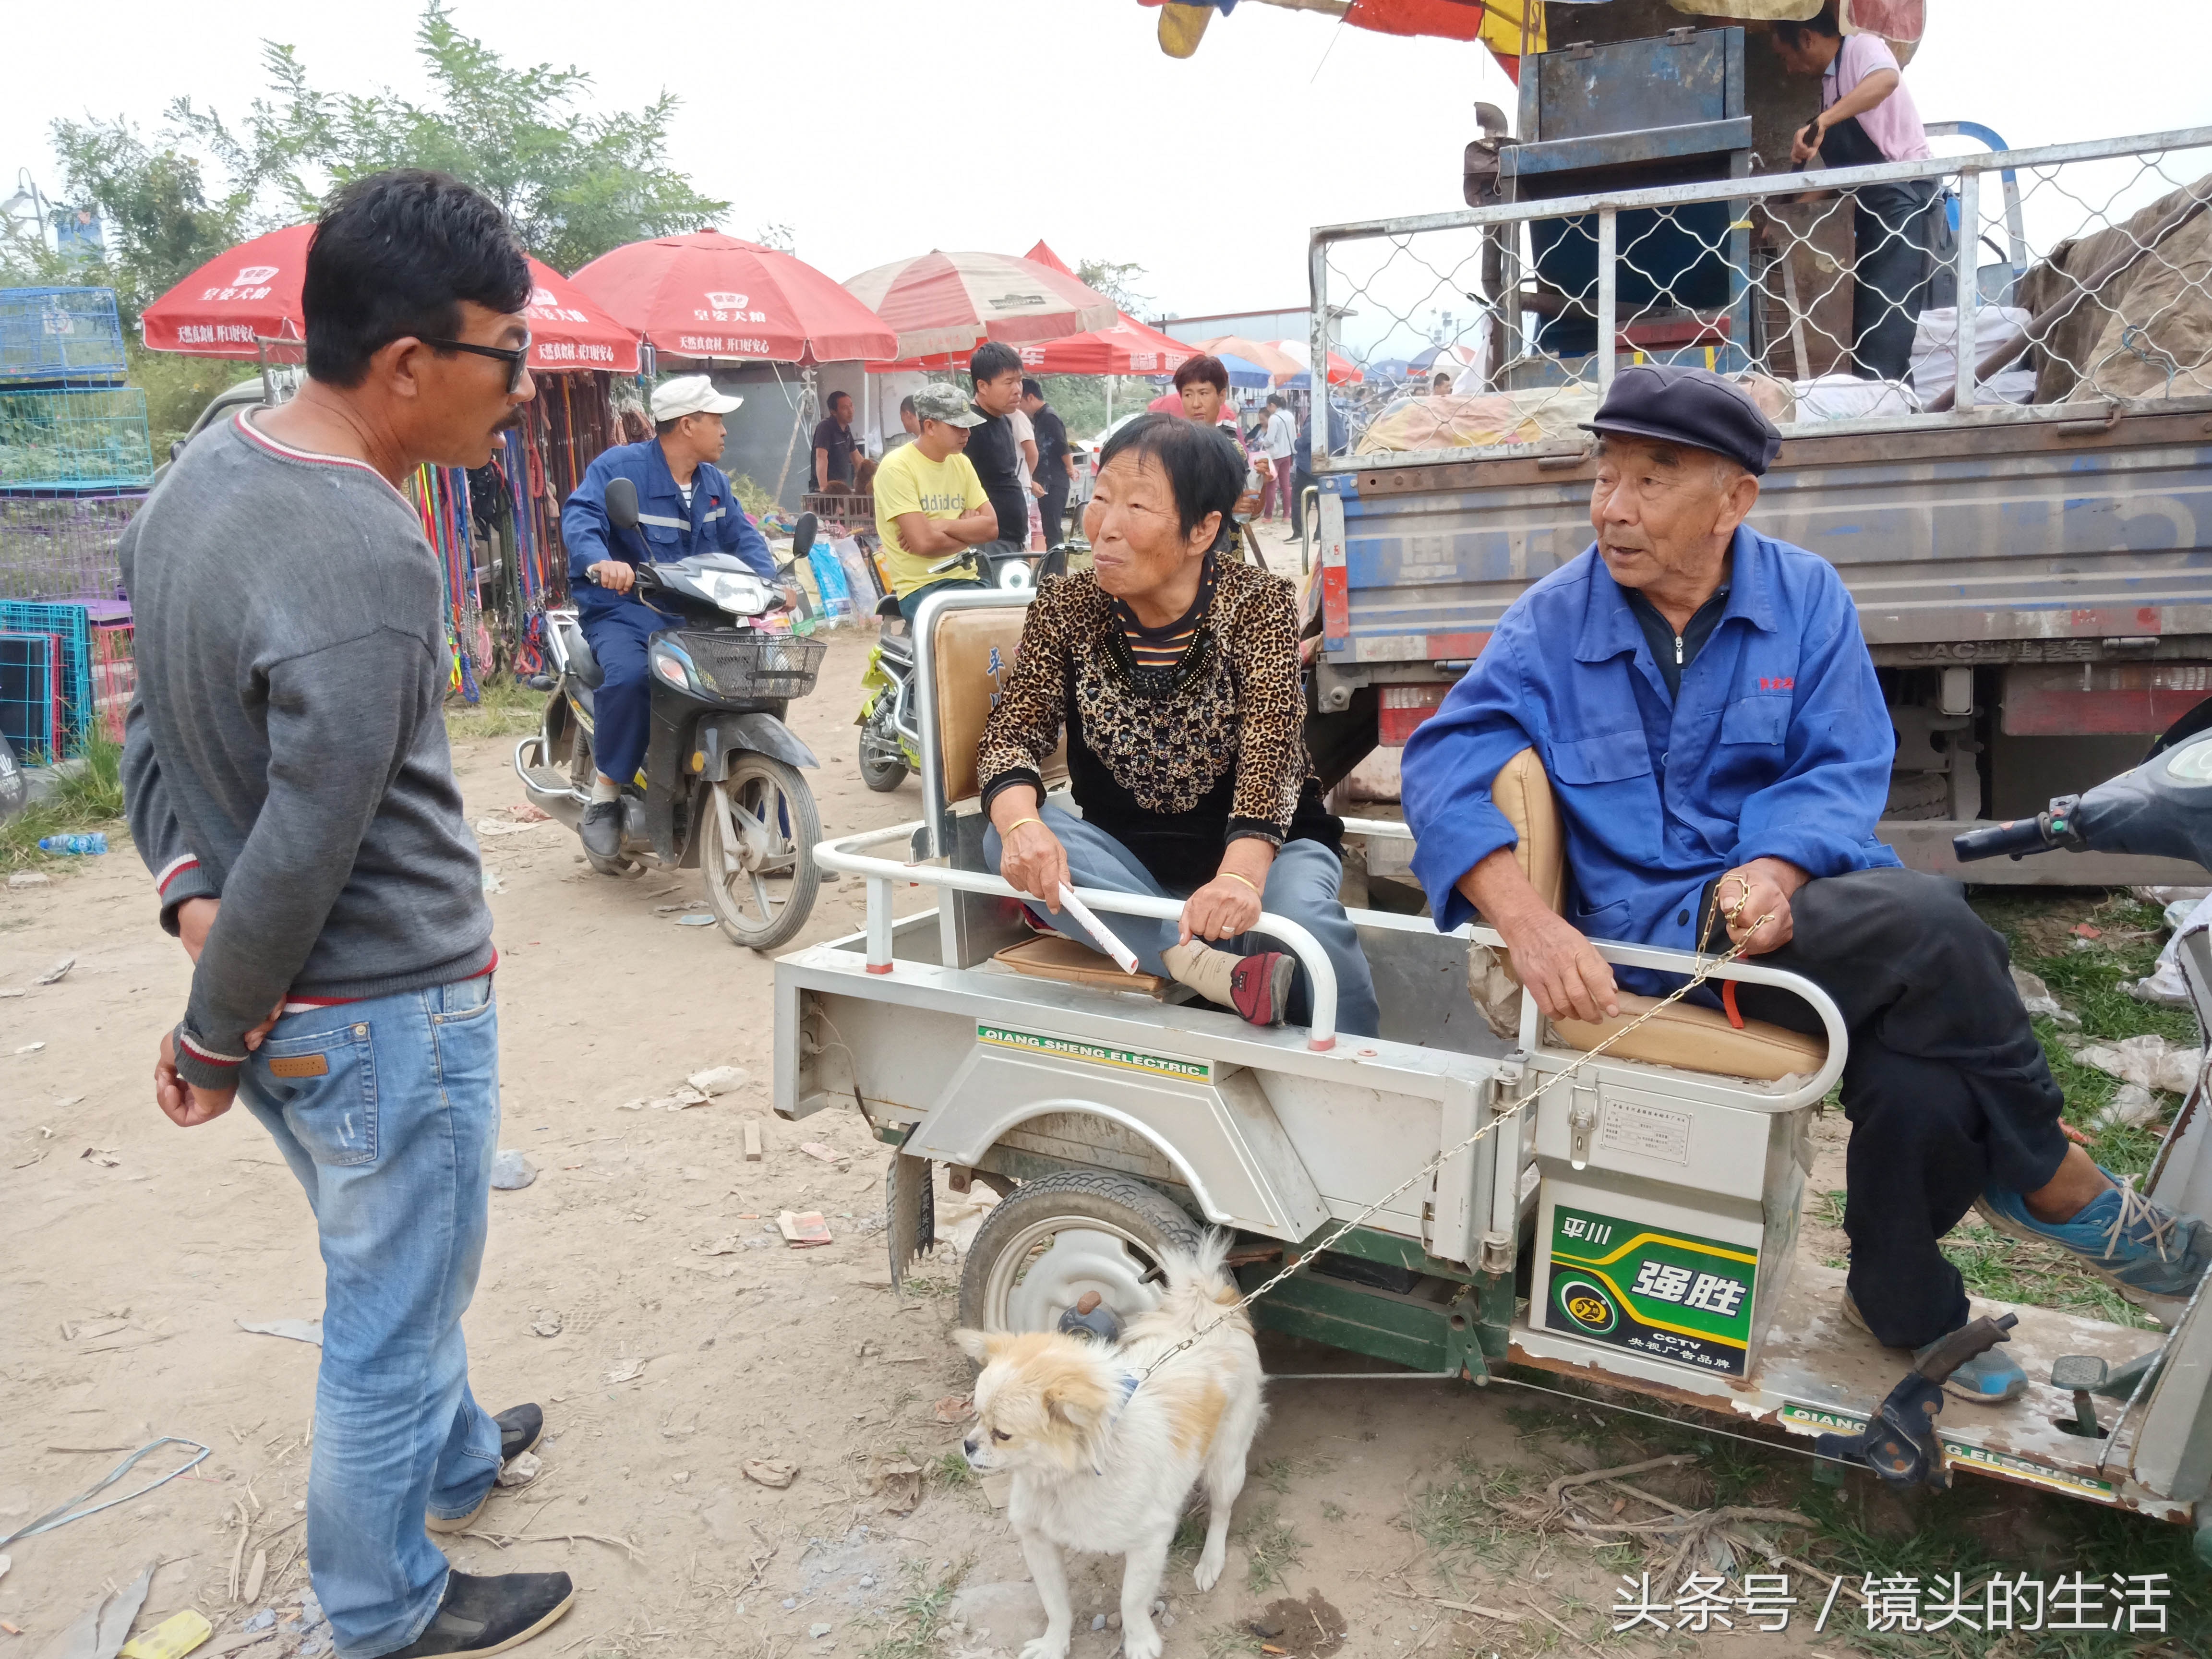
721,736
1222,1136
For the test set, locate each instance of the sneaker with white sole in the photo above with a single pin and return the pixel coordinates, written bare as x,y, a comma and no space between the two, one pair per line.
2146,1252
1988,1379
481,1615
519,1427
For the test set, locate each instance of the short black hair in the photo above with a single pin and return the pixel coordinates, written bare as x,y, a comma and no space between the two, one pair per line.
1275,401
1822,22
662,428
992,359
906,406
395,254
1205,367
835,398
1205,468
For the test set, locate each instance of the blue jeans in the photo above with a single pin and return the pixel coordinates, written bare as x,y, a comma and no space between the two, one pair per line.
388,1112
1302,887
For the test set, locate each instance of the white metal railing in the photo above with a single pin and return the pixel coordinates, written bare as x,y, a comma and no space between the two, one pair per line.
843,854
2076,227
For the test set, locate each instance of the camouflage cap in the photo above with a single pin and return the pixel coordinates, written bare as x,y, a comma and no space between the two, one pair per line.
948,403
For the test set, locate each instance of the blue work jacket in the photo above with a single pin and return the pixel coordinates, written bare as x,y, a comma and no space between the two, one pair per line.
713,523
1778,745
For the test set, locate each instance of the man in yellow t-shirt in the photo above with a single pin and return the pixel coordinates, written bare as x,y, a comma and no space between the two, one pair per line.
929,503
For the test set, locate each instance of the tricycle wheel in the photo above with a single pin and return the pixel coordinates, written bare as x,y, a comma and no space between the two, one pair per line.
756,851
883,765
1040,1249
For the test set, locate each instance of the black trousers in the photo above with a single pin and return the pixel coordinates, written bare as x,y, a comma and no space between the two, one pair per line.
1892,246
1052,507
1945,1088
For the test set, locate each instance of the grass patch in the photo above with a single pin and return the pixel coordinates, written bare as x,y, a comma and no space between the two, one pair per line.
930,1289
952,1472
1272,1548
87,796
1332,1511
1277,1472
2007,1269
1222,1641
910,1628
505,708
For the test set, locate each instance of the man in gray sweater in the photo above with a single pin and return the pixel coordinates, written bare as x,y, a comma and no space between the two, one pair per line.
289,785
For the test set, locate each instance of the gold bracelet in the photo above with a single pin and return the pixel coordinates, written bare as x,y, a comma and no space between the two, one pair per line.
1017,824
1233,876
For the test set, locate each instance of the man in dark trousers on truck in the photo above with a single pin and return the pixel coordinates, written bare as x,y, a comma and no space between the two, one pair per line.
1702,702
288,784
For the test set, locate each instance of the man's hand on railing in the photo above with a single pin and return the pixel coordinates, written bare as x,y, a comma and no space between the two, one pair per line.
1559,967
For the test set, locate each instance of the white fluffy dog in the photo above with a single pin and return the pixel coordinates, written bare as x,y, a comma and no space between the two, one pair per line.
1103,1462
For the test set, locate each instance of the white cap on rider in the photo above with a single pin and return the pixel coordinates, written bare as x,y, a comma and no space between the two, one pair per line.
689,394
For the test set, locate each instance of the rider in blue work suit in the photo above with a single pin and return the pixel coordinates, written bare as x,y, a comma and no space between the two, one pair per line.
683,506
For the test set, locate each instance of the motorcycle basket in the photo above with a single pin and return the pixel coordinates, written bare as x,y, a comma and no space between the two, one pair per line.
752,665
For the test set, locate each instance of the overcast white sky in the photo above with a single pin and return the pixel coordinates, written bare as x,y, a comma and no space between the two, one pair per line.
878,129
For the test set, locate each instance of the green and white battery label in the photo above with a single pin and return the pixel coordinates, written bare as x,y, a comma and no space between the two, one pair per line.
1094,1054
1674,1296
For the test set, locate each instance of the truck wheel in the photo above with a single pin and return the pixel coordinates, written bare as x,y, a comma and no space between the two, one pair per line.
761,882
1057,1237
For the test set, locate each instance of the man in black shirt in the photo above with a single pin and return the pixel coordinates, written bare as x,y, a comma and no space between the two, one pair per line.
996,370
834,445
1053,477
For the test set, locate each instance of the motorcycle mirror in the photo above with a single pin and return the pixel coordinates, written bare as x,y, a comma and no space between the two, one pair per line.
802,535
622,503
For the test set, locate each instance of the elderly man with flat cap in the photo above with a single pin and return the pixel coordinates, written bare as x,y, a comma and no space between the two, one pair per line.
1706,707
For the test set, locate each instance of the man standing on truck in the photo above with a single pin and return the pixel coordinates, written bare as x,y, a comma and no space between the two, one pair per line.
1868,116
994,448
1706,710
289,786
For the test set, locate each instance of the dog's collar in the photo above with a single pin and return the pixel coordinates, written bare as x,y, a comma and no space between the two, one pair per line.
1129,1380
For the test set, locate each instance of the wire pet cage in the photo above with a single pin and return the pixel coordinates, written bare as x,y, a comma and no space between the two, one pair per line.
60,337
75,439
62,546
67,667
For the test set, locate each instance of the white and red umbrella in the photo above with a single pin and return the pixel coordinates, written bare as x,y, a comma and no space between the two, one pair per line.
1342,370
941,302
233,303
705,294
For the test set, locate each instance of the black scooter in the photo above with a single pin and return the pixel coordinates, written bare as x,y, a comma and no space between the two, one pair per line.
720,788
2162,809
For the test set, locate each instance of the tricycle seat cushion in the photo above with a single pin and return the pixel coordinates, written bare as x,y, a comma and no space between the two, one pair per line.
966,681
1699,1039
1688,1036
1051,956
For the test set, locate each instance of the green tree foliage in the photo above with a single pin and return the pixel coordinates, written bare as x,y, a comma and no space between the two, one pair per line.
577,179
1117,280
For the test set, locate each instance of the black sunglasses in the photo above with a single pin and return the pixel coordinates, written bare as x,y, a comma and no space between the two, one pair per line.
513,356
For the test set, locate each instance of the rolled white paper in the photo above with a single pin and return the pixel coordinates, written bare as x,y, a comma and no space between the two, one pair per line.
1100,932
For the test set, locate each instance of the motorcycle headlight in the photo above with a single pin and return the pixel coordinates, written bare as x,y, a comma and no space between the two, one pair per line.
740,595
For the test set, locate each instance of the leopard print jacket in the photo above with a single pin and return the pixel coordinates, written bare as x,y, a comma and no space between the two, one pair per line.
1235,703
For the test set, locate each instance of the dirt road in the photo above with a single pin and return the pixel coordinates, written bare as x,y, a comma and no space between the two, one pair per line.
638,1291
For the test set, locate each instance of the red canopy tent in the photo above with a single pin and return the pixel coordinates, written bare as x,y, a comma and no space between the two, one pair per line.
231,305
706,295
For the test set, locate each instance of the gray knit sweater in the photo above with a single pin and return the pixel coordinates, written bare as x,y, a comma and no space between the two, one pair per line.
287,749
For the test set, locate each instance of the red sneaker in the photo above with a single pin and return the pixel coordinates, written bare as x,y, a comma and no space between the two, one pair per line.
1260,986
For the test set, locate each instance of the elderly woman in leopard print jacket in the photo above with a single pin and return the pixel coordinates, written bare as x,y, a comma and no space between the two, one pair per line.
1174,673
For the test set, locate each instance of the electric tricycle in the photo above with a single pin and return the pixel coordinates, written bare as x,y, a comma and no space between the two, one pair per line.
1618,1204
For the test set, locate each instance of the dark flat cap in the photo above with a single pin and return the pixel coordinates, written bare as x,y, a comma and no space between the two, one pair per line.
1692,406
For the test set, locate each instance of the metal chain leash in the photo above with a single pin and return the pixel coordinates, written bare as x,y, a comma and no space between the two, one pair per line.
1706,969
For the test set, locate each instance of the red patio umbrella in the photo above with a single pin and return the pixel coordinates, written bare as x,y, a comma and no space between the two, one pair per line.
942,302
252,294
705,294
1126,348
1252,351
1342,370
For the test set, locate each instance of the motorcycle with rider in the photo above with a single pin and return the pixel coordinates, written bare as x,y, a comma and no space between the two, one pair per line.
664,742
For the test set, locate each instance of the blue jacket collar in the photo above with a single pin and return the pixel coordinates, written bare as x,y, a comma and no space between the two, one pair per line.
1609,628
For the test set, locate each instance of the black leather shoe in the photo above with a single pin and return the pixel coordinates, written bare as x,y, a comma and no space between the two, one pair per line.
519,1429
603,829
490,1615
